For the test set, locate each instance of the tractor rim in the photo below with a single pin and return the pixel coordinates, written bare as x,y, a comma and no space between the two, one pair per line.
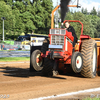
78,62
94,59
39,60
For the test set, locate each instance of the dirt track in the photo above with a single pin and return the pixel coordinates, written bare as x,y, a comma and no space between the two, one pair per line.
19,84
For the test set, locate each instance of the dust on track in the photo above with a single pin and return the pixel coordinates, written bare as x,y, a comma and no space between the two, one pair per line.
20,84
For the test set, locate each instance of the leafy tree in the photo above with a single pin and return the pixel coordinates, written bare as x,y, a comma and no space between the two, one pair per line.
28,23
26,16
81,17
94,21
69,16
97,34
19,26
98,13
89,23
6,11
93,11
32,17
48,7
84,11
43,17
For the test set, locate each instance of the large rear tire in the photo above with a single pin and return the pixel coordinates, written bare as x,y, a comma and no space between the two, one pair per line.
89,54
37,60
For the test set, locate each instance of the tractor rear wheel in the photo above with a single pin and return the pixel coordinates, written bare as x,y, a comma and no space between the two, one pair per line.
48,68
37,60
89,53
77,62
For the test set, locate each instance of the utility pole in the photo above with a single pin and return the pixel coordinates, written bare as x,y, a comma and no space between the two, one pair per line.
3,18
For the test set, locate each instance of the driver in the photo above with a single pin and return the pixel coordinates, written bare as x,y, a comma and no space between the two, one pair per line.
71,29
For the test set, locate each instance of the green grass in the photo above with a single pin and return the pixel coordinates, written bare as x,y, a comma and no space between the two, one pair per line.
8,42
8,59
14,50
91,99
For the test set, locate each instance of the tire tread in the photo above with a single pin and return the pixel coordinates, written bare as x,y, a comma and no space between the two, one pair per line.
87,53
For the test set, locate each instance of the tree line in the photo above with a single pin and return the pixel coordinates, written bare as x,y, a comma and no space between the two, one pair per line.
25,16
90,20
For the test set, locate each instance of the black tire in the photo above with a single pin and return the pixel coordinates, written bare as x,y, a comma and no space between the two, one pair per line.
77,62
89,53
48,68
34,56
45,45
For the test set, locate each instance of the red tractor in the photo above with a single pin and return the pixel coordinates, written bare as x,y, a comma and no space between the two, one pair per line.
56,53
60,52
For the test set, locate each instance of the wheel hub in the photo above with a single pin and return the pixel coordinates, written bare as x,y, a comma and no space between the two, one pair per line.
39,60
78,62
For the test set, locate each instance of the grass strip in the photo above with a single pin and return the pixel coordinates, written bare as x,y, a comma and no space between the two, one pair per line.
9,59
91,99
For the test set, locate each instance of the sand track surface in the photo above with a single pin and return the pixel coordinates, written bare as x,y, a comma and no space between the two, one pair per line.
18,83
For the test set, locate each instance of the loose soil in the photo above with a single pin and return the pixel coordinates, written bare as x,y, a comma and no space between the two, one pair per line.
18,83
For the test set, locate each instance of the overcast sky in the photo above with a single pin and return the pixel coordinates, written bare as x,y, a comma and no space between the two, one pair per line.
89,4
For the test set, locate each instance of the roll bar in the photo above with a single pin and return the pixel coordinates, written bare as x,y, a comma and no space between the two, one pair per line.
76,21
